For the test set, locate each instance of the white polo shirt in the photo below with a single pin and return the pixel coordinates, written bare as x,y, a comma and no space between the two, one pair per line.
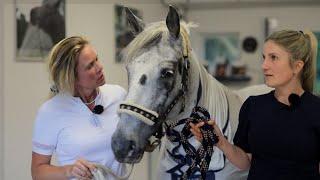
66,126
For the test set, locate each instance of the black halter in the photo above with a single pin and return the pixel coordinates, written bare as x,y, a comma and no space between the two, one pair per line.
157,119
181,95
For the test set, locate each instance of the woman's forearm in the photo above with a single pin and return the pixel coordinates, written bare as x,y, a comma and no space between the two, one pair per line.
235,155
49,172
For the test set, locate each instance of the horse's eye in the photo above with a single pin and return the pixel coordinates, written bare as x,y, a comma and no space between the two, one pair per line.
167,73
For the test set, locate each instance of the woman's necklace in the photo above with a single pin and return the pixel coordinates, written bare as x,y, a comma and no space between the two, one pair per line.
88,103
94,100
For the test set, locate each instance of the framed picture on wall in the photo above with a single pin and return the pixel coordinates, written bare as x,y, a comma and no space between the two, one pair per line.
39,25
317,83
222,56
123,33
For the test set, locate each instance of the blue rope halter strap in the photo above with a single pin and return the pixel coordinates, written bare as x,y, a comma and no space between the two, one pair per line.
197,160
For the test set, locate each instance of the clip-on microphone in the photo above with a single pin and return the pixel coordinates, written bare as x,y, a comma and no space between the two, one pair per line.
98,109
294,100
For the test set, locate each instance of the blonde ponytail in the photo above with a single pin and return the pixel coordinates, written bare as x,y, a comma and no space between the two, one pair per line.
309,69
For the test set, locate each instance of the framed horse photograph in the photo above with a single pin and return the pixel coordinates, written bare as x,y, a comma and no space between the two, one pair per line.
123,34
39,25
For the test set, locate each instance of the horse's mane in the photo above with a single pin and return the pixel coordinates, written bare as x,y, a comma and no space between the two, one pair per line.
151,33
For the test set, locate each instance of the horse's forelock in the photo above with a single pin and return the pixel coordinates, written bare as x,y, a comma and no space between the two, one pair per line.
151,36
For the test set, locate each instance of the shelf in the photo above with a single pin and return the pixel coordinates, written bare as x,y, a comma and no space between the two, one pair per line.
233,79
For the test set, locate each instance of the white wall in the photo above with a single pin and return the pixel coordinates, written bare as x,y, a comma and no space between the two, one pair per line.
1,90
250,22
25,84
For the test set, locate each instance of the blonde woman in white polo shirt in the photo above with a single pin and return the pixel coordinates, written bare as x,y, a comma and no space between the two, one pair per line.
77,122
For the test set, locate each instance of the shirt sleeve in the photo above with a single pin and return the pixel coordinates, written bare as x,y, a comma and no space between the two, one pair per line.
241,136
45,133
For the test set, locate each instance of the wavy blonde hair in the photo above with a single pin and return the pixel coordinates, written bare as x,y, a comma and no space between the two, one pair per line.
62,63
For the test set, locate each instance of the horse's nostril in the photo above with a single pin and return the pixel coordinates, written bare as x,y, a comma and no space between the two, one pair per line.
132,145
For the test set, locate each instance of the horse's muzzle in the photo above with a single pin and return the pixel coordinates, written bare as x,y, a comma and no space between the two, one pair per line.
126,151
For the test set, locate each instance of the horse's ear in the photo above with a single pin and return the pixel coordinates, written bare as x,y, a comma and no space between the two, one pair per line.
57,4
173,22
135,23
54,4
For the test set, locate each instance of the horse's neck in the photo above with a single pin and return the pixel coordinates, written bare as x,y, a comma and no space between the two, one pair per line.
214,96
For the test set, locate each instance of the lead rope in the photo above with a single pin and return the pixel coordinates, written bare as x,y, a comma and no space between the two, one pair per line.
103,170
195,158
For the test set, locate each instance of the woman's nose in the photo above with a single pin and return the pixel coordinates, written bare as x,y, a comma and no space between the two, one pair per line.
99,66
264,65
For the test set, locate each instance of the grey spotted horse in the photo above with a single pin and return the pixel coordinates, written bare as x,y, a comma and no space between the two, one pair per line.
168,88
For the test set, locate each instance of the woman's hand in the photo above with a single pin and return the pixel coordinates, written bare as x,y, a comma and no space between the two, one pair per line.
81,169
195,130
234,154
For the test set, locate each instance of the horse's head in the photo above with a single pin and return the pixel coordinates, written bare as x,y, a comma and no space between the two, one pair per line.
156,66
48,18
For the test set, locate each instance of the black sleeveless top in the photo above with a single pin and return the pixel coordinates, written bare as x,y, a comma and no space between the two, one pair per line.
284,141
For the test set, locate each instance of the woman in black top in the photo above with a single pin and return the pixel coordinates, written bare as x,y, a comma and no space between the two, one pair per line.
278,135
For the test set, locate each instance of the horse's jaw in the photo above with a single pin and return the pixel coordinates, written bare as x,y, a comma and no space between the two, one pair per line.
130,159
189,103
